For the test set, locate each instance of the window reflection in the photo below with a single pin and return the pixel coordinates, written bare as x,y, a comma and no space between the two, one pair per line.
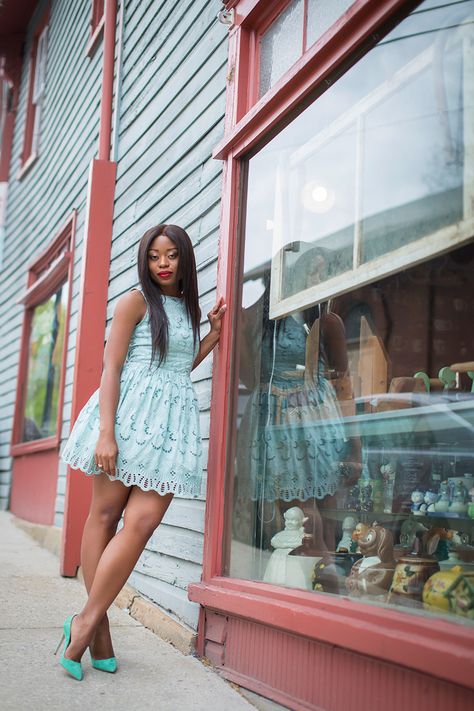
44,367
353,467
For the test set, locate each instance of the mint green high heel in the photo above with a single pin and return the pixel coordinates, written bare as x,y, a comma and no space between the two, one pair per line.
74,668
107,665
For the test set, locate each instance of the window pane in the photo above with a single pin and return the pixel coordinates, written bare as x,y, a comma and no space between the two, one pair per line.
321,15
382,160
281,45
44,367
352,471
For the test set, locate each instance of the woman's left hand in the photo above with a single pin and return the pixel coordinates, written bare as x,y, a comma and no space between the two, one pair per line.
215,315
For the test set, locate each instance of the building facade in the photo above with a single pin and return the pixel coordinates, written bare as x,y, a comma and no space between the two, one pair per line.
320,155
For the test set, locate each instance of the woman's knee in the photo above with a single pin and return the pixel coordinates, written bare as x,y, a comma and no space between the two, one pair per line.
141,523
106,515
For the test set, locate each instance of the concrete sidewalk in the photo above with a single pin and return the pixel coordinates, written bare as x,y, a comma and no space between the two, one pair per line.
35,600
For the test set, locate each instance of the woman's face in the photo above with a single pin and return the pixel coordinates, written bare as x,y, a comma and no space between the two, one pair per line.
163,263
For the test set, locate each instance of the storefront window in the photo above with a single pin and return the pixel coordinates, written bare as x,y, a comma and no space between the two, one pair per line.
352,468
44,367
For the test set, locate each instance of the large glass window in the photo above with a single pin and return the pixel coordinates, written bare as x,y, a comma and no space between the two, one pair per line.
352,468
44,366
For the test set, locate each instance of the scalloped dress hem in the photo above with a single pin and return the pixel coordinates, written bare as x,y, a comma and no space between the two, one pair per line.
147,483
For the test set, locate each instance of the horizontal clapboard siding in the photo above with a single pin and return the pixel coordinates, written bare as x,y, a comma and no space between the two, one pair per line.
43,199
171,117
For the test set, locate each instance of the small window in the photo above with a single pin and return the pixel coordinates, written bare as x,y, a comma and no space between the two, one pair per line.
35,96
38,409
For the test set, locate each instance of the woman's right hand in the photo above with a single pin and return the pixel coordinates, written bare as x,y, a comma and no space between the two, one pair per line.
105,455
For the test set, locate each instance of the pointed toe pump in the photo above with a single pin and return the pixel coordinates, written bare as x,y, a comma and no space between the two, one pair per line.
72,667
107,665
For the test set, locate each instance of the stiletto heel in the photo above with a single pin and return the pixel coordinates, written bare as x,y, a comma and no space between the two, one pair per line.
107,665
74,668
56,651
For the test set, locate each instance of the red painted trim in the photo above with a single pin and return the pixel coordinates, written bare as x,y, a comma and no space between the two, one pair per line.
93,298
106,100
26,155
89,343
96,35
432,646
349,32
305,27
48,283
41,282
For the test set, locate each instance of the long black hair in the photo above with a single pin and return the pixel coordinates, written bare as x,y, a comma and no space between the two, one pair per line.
187,285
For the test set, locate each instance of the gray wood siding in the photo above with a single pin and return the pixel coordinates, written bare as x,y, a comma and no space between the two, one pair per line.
171,117
41,201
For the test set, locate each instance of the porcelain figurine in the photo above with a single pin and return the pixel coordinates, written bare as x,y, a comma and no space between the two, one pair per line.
409,528
458,504
435,588
442,504
279,570
388,472
470,507
429,500
366,503
359,531
347,543
372,574
417,498
461,595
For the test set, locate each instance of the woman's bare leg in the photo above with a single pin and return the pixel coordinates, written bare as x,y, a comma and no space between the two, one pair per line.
143,513
108,502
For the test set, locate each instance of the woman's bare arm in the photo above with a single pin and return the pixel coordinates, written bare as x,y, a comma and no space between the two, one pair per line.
212,338
130,309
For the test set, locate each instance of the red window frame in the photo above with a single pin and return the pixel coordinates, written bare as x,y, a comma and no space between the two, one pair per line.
28,156
53,268
433,646
96,25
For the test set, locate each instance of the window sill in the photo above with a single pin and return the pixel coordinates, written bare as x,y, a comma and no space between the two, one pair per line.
37,445
95,38
30,161
432,646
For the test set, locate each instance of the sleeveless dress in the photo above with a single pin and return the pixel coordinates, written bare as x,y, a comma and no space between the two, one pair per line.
157,426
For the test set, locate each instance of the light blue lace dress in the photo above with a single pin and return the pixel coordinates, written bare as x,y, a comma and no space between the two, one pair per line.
157,418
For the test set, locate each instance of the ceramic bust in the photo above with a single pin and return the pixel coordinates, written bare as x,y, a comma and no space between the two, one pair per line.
347,543
278,567
372,575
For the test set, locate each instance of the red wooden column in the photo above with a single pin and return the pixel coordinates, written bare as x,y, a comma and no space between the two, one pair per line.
93,298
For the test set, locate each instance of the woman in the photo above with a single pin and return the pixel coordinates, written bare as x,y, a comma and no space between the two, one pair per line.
139,432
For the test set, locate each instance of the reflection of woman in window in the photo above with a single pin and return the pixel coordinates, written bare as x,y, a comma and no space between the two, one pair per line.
291,440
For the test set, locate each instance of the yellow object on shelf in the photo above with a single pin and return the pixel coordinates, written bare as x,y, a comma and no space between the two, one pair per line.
435,588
